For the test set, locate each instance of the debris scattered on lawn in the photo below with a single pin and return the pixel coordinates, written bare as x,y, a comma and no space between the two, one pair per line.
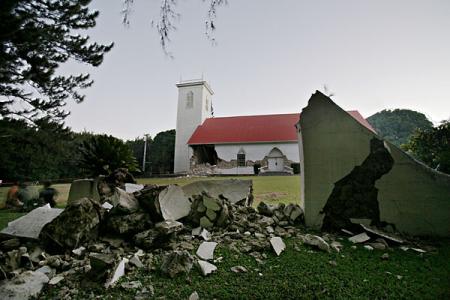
359,238
317,241
277,245
194,296
381,234
239,269
385,256
206,250
116,232
206,267
30,225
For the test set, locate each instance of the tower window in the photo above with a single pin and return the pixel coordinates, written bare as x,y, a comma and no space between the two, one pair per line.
207,104
190,100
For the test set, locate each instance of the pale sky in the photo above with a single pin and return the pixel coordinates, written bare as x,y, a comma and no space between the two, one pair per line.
270,56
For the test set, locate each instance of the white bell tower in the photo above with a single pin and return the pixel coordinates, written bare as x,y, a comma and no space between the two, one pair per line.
194,106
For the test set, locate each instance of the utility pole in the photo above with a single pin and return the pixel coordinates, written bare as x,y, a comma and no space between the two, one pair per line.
145,153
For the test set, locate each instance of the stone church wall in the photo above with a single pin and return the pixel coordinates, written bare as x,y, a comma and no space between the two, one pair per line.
348,172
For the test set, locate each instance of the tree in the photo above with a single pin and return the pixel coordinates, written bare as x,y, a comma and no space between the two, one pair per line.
169,16
399,124
45,151
36,37
162,152
102,154
432,147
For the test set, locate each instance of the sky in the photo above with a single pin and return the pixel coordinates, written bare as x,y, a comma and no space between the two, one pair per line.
269,58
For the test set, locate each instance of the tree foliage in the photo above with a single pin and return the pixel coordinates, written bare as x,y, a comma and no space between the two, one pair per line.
102,154
168,17
36,37
399,124
46,151
162,152
432,147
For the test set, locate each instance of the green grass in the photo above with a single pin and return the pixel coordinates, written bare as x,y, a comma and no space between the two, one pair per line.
304,274
359,274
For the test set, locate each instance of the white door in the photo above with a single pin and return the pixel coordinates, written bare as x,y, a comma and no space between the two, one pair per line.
275,161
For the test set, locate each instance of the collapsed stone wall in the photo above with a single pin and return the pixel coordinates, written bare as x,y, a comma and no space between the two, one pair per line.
412,197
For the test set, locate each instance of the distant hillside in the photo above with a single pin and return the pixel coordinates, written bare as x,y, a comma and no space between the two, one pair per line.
399,124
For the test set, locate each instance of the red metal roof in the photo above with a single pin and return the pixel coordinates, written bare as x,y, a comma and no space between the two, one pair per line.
253,129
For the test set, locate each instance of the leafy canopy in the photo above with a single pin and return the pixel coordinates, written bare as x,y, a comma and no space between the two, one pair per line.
36,37
399,124
432,147
102,154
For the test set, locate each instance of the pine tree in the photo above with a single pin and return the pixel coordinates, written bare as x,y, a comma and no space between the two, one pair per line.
36,37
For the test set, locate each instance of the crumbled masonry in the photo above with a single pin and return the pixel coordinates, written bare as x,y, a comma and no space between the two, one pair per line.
88,245
355,195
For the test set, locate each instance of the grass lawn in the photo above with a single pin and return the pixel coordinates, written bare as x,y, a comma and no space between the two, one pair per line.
303,274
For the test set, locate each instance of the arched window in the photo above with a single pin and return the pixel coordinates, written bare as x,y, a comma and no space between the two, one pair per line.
207,104
241,158
190,100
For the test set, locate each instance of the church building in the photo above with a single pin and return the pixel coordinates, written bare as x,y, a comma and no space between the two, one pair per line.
204,144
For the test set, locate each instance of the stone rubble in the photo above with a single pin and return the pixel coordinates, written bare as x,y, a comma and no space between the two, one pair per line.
277,245
103,243
206,250
206,267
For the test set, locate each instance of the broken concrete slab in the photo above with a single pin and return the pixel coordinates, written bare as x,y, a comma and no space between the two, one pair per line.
337,246
106,205
206,267
177,262
359,238
411,196
317,241
239,269
30,225
123,202
169,226
234,190
381,234
278,245
83,188
136,261
173,202
205,234
55,280
132,187
119,271
27,285
206,250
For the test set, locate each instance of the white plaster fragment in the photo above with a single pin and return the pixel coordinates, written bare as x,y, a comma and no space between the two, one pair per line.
359,238
206,250
194,296
174,203
118,273
205,234
55,280
131,187
206,267
106,205
314,240
277,244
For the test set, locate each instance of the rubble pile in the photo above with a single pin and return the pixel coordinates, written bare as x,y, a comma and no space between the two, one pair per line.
166,229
